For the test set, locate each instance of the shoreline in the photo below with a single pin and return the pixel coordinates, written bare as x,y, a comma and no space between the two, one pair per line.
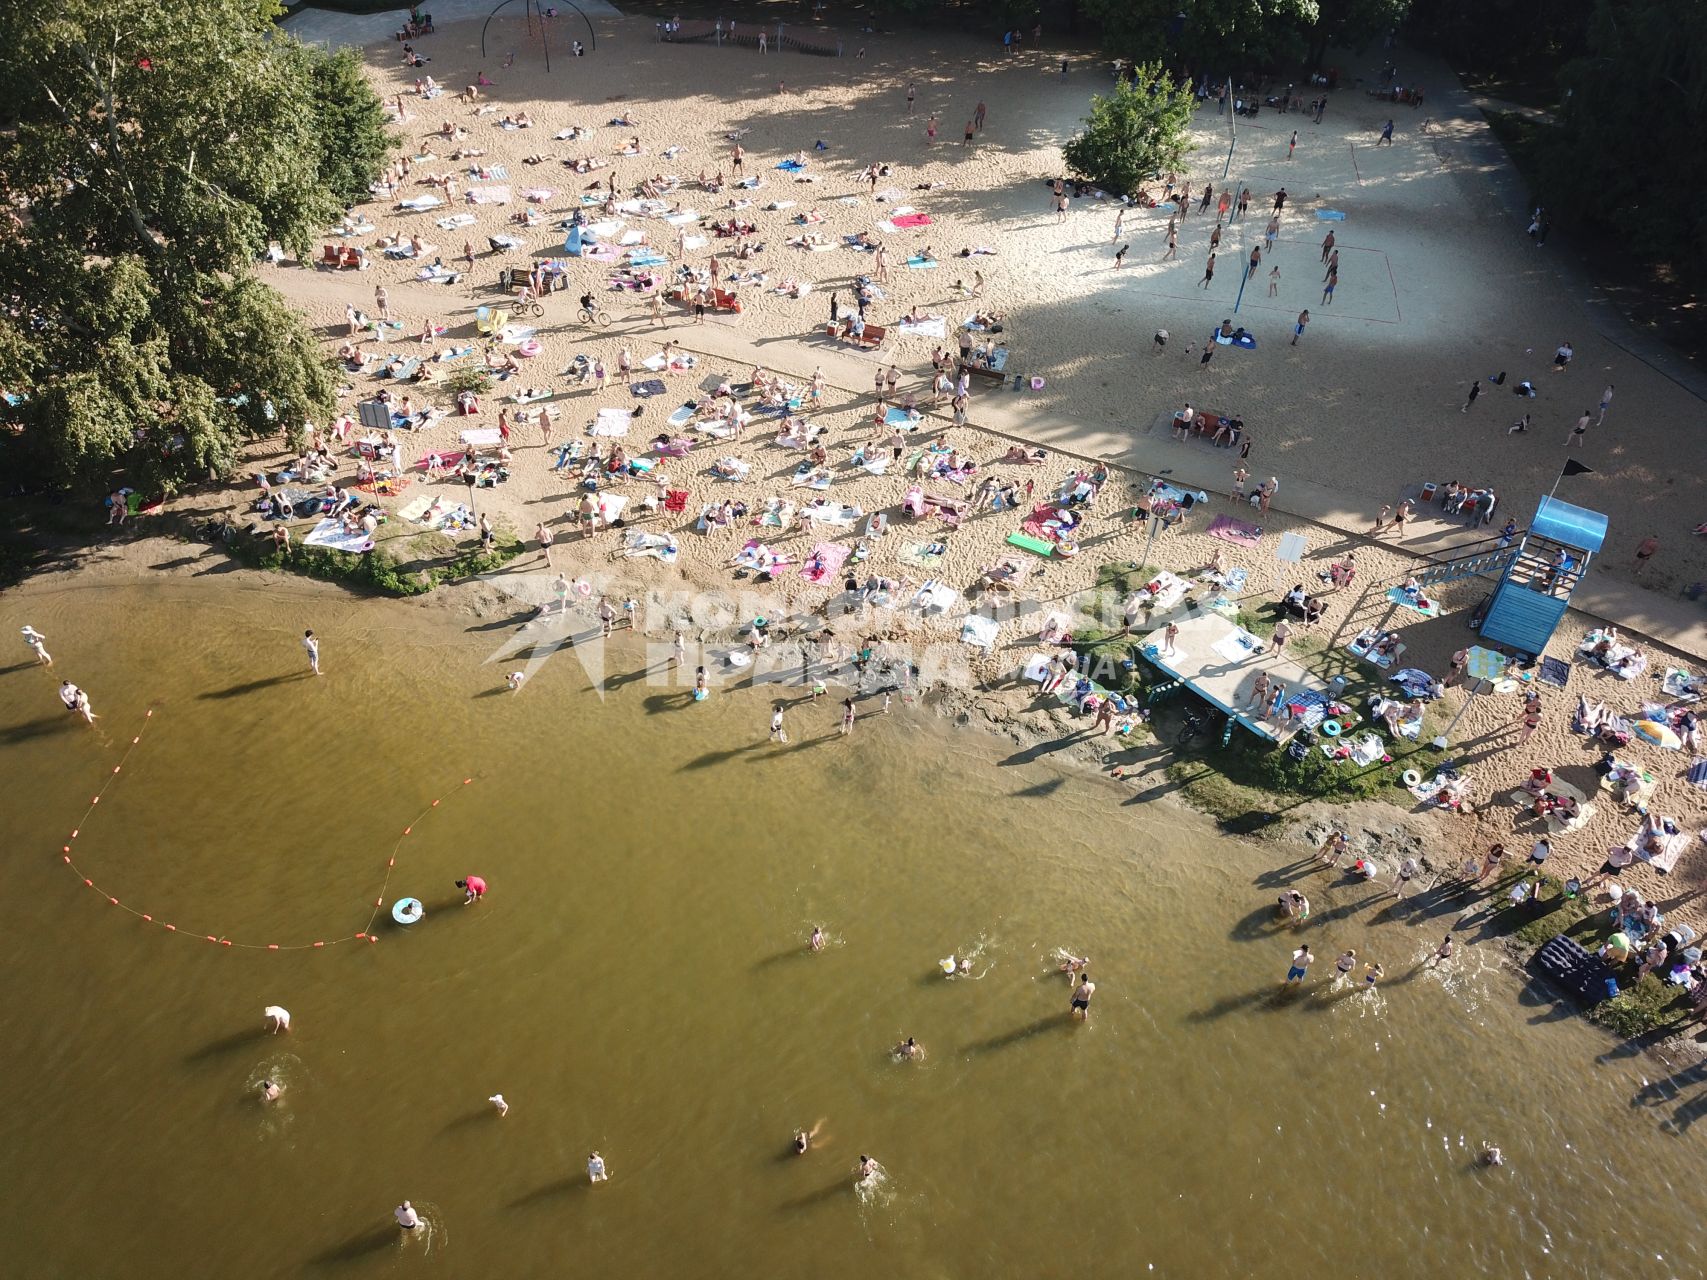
1004,712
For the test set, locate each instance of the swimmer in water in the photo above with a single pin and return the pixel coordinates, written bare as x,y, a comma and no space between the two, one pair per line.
596,1171
816,941
1082,994
699,682
867,1169
910,1050
1490,1156
804,1138
1072,964
497,1100
406,1216
1442,952
270,1090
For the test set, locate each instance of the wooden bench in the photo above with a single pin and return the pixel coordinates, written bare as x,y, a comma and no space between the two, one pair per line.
983,371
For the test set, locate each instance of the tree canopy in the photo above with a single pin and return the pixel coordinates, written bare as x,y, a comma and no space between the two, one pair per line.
1138,130
158,148
1218,37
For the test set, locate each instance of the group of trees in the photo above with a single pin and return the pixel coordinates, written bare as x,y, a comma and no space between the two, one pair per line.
153,150
1239,37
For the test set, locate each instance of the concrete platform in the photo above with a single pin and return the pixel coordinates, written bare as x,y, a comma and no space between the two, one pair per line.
1213,657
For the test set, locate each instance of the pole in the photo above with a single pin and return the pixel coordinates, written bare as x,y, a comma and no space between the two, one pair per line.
1557,483
1243,281
1445,737
1232,131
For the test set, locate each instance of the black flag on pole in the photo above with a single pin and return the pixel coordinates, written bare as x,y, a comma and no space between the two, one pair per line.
1575,468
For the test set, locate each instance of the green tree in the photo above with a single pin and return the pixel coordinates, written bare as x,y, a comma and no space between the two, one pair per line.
1137,130
158,148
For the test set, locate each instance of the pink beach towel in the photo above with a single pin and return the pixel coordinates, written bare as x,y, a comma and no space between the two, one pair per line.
825,562
1229,529
912,220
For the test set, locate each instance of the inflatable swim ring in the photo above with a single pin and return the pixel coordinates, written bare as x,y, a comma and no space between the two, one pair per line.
699,695
407,910
1331,728
1411,778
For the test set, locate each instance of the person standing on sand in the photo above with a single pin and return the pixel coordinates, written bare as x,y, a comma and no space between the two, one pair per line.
1256,261
1173,241
1333,265
1605,404
1328,289
966,141
1292,145
1208,273
1327,245
1578,431
1280,200
1645,551
930,132
1119,221
1298,329
542,534
912,92
978,117
1475,390
1274,283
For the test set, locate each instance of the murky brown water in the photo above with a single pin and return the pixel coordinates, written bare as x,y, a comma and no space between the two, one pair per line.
636,982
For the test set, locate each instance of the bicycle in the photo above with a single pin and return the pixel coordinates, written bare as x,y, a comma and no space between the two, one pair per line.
595,316
520,307
1196,723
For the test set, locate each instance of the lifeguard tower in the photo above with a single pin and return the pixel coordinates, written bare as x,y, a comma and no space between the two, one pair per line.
1535,589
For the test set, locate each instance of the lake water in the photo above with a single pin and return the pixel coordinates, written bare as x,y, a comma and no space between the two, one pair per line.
637,982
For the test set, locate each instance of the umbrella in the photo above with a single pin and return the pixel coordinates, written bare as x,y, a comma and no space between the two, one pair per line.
1661,735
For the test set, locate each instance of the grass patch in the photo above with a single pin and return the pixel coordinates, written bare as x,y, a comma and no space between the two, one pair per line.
1552,920
379,571
1648,1007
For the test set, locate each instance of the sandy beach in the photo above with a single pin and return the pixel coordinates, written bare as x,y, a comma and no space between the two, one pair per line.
1437,288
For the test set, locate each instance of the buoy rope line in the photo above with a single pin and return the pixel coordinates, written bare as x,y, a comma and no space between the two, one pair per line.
366,934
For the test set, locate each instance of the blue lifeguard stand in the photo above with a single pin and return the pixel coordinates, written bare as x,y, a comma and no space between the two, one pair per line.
1535,589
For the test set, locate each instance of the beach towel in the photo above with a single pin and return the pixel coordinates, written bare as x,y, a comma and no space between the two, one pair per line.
415,204
910,219
1330,215
1414,600
330,533
1681,685
1173,493
413,510
1244,341
1414,683
611,506
755,555
479,437
1236,646
1037,546
791,166
731,469
929,327
612,422
825,562
1232,529
1230,580
488,195
686,218
517,333
631,237
650,387
457,220
636,544
498,171
934,597
1697,775
646,258
1359,647
900,418
923,555
979,631
1554,672
919,263
836,513
537,195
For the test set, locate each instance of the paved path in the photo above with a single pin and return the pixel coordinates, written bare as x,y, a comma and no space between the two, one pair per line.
334,30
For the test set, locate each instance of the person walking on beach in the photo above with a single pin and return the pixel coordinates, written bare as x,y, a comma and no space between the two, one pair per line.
1173,240
1274,282
1562,357
778,733
1327,245
1269,233
312,645
1256,261
1119,221
1280,200
1386,134
978,117
1292,145
847,716
1301,959
1333,265
37,643
1120,256
1578,431
1645,551
1298,329
1244,202
1328,289
1605,404
1208,195
1208,273
544,537
912,92
966,141
1475,391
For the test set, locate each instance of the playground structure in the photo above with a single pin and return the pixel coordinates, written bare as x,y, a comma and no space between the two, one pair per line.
546,13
